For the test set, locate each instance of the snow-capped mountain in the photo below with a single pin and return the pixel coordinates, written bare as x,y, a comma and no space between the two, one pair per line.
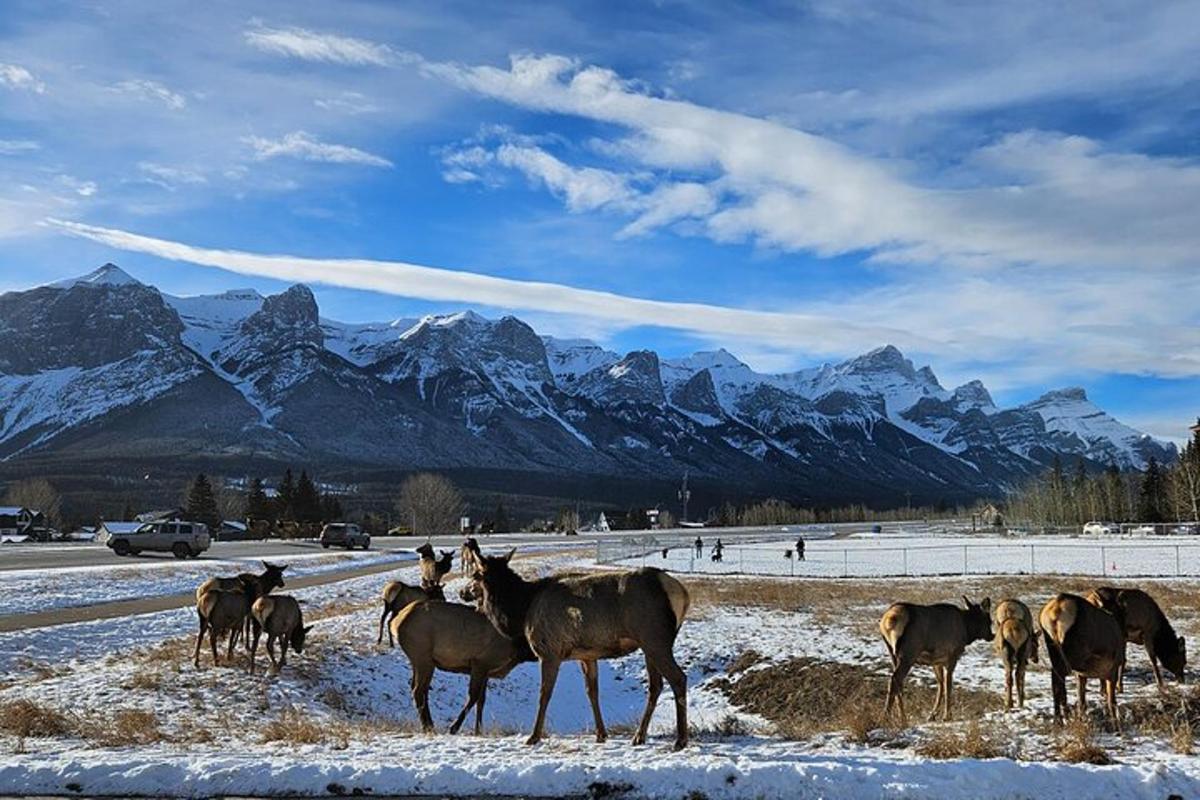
105,367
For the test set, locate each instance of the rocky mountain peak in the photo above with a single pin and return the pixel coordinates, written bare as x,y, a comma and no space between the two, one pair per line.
107,275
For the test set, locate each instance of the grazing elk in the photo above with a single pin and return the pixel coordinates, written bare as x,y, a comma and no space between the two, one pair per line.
433,569
1144,624
279,616
935,635
220,612
255,586
1015,644
398,594
585,618
1085,640
454,638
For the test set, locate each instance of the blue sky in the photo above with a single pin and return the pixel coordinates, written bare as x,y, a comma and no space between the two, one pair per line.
1010,193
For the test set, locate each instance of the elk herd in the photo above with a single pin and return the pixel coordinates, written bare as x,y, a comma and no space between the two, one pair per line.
1083,636
506,620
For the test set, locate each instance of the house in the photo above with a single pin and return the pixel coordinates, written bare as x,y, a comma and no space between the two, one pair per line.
163,515
108,529
990,516
21,521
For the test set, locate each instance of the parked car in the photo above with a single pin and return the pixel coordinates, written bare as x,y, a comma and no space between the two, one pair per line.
344,534
1144,530
182,538
1100,529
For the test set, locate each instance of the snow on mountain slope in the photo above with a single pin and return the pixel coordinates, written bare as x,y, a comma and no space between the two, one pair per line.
1081,426
570,359
364,343
209,321
107,275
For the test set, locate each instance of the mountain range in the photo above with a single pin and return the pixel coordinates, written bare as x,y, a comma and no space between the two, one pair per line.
104,374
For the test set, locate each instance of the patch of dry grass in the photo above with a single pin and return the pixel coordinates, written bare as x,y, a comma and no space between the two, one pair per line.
25,719
1076,743
128,726
975,740
144,680
295,726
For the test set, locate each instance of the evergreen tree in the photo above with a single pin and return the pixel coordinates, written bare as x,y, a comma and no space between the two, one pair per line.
1080,493
286,501
202,503
127,514
258,505
637,520
331,508
1152,495
501,523
1114,490
307,502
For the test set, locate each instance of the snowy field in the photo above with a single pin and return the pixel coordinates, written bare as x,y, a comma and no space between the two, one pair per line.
23,591
897,555
142,720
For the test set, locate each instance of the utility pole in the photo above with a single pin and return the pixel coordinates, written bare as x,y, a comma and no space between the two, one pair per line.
685,494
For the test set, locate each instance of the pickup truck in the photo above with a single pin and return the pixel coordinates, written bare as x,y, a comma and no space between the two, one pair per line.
181,538
344,534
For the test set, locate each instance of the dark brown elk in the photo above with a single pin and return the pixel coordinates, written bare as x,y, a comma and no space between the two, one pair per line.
1147,625
280,618
220,612
398,594
255,585
1085,640
587,618
935,635
433,569
1015,644
454,638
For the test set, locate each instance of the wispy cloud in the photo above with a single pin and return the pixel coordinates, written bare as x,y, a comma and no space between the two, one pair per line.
170,177
154,91
12,147
824,335
13,76
307,147
347,103
316,46
794,190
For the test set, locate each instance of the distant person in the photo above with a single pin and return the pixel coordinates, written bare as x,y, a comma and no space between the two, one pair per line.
800,549
699,547
665,551
717,550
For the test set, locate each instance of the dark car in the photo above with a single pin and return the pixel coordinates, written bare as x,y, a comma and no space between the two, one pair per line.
344,534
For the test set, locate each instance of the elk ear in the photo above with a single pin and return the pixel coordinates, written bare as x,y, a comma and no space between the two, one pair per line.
307,628
966,602
1182,645
986,605
508,556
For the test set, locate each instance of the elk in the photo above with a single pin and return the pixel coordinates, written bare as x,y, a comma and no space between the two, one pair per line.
585,618
255,586
454,638
1086,640
1144,624
221,611
398,594
935,635
433,569
279,615
1015,644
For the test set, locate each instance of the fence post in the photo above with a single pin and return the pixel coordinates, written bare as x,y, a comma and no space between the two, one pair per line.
845,563
905,562
964,572
1032,568
1177,572
1103,561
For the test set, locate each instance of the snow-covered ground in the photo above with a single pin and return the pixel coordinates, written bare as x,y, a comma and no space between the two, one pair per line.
883,556
214,720
23,591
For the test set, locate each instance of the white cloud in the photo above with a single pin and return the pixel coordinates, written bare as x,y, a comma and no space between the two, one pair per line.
347,103
1037,198
168,176
12,147
582,188
819,334
17,77
315,46
306,147
79,187
153,91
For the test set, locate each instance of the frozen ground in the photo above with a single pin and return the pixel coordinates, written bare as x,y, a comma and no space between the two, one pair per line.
882,556
216,727
23,591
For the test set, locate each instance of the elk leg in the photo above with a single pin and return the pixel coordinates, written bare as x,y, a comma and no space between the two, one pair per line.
422,677
939,676
478,678
895,693
199,641
1158,678
283,650
212,640
383,620
665,661
254,647
1110,700
653,690
1058,681
271,652
550,667
1008,685
479,707
948,678
1021,683
1081,696
591,682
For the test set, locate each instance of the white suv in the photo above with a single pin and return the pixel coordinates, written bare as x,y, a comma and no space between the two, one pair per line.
183,539
1100,529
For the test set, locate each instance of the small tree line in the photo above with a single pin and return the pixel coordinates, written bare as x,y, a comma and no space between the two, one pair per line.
1158,494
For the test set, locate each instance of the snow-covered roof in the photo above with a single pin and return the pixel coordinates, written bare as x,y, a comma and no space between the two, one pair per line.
10,511
121,527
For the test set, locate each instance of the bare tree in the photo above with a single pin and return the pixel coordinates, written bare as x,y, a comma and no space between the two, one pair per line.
430,503
37,494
